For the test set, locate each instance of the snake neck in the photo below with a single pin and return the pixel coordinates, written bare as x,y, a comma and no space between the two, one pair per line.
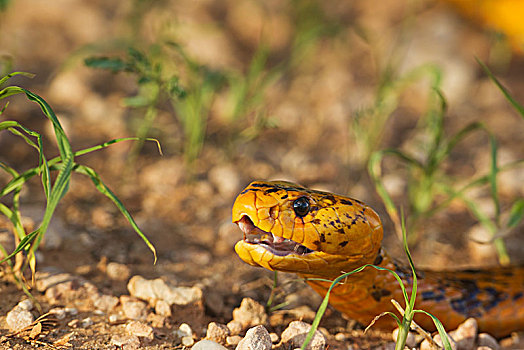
369,291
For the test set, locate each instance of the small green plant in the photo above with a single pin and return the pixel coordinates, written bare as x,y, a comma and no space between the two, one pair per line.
63,165
408,313
431,189
155,82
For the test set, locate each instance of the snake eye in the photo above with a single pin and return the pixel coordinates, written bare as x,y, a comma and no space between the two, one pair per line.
301,206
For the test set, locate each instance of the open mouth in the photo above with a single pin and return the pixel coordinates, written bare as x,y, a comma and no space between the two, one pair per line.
276,245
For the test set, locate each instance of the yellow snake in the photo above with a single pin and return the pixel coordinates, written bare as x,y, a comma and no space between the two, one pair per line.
318,234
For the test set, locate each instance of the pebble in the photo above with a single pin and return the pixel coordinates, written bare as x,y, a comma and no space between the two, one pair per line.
426,345
73,311
233,340
133,309
250,313
58,312
104,302
73,323
64,288
126,342
162,308
217,332
411,340
140,329
187,341
47,277
465,334
151,290
18,318
117,271
234,327
486,340
340,337
257,338
185,334
114,318
295,334
274,337
156,321
207,344
26,304
86,322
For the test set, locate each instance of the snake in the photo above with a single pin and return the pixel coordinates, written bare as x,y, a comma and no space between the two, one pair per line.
320,235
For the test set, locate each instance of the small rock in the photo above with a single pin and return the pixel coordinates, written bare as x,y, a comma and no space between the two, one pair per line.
73,311
133,309
151,290
126,342
217,332
426,345
274,337
162,308
58,312
465,334
233,340
295,334
187,341
257,338
114,318
104,302
26,304
86,322
340,337
117,271
184,330
485,339
63,288
235,327
155,320
140,329
18,318
411,340
206,344
73,323
250,313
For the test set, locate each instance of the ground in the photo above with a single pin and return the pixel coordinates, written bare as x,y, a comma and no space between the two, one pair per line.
334,75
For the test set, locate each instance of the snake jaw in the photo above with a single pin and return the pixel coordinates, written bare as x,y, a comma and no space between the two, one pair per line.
276,245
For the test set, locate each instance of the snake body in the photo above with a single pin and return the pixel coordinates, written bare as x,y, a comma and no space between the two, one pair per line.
318,234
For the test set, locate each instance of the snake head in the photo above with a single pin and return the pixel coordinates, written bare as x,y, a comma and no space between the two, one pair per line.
289,227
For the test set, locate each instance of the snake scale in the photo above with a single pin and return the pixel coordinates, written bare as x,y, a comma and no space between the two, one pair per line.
318,234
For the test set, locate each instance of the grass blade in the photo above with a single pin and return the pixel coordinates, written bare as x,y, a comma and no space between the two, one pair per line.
505,92
516,214
440,329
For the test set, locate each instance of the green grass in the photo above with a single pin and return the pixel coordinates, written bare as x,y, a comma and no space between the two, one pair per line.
431,189
170,80
55,175
409,311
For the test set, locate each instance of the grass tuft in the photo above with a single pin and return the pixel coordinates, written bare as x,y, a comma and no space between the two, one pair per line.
63,165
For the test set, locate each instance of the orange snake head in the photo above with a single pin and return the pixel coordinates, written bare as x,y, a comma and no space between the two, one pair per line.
291,228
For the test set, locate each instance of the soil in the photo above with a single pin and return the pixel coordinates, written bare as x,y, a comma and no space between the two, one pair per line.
309,137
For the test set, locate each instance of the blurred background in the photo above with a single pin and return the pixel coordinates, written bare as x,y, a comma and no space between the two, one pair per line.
319,93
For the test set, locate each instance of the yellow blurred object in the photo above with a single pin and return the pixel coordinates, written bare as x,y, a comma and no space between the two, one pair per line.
505,16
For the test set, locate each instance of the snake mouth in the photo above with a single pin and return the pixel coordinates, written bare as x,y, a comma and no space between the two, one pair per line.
275,245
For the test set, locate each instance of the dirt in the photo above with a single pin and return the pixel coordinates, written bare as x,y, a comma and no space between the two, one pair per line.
184,209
